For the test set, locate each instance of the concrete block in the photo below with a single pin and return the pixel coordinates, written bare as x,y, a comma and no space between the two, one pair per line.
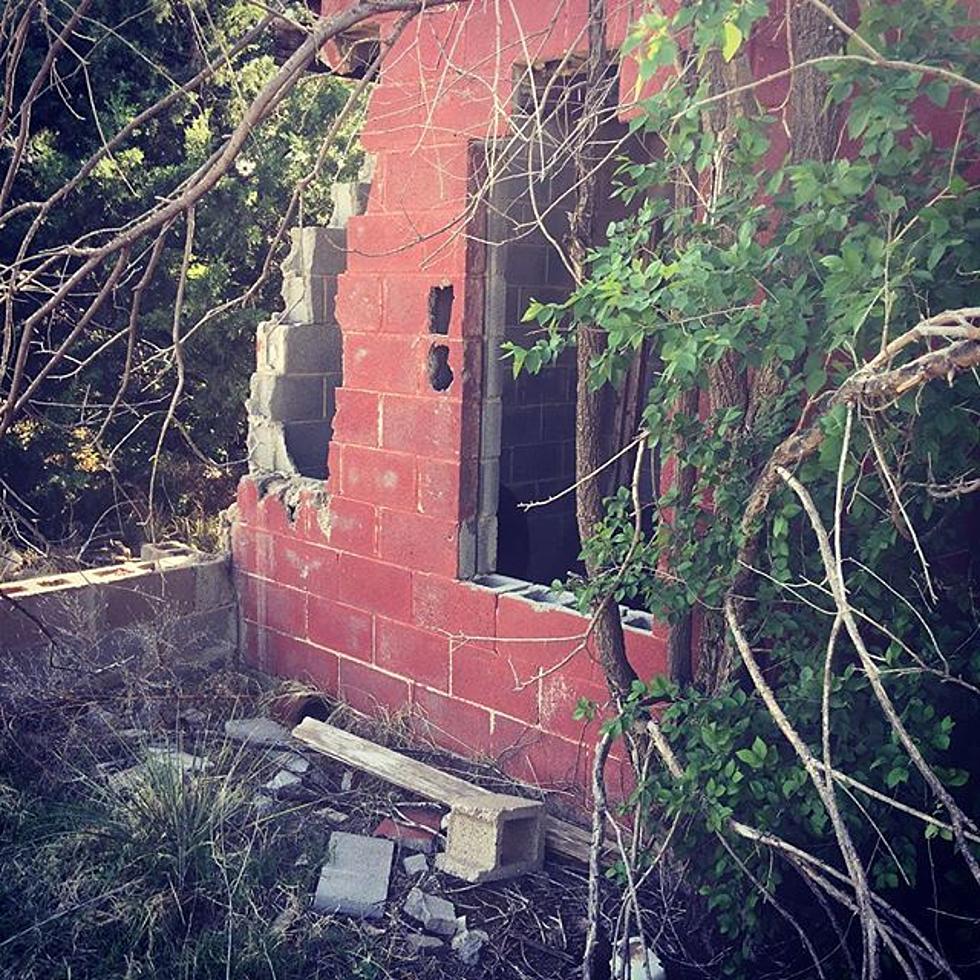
436,914
164,549
212,584
316,251
286,397
501,583
491,836
299,348
491,426
349,198
354,880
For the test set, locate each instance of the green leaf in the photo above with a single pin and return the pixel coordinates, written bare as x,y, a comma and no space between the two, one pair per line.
938,92
898,774
731,40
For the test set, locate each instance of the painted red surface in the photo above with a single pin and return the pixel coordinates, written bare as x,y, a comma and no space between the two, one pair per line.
361,596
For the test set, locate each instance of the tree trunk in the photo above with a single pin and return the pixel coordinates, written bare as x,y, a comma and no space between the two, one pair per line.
589,512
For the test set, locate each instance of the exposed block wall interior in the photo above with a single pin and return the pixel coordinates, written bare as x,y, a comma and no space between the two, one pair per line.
174,604
371,584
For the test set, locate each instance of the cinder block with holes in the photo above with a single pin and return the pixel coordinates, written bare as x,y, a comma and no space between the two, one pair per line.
492,836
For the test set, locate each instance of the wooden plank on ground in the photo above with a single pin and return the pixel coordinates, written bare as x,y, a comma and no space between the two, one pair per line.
419,777
387,764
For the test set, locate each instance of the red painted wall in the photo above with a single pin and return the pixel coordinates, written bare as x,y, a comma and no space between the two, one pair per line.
360,594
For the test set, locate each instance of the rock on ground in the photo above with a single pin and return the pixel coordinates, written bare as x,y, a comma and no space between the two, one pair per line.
436,914
257,731
468,943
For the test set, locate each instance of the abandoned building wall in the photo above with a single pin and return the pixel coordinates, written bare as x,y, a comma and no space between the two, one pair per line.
362,584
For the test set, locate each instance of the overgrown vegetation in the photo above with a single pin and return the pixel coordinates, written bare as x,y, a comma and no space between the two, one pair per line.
793,247
77,461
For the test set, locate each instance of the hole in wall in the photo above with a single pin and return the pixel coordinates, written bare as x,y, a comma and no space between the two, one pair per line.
440,373
440,309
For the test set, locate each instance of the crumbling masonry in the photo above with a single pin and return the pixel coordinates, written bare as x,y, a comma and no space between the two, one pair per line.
383,429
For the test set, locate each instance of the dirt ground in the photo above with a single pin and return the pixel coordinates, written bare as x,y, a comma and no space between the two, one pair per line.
64,745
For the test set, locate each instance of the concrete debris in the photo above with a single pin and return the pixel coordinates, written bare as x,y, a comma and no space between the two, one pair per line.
643,965
262,804
346,781
292,762
282,780
164,759
419,943
354,880
436,914
416,864
257,731
468,943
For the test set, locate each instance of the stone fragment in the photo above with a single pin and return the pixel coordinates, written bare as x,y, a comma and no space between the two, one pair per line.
419,943
282,780
468,943
415,864
257,731
332,815
291,762
354,880
262,804
346,781
193,716
436,914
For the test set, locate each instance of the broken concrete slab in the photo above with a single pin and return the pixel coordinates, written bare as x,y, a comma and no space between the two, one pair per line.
354,879
161,759
436,914
257,731
467,944
416,864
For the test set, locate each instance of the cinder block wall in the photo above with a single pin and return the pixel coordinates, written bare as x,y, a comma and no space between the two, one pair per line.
175,599
360,584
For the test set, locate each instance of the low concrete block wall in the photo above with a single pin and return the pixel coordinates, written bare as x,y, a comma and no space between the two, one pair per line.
174,602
